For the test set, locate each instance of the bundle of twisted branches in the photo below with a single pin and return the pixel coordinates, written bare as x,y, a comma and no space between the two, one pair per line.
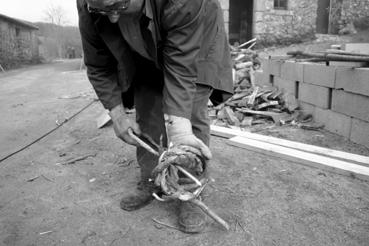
176,175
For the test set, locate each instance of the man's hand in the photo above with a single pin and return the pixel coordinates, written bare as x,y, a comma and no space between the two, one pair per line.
179,131
121,124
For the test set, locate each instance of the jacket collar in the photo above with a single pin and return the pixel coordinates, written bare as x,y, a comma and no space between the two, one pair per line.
153,26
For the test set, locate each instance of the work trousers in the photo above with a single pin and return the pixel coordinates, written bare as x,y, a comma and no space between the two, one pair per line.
148,98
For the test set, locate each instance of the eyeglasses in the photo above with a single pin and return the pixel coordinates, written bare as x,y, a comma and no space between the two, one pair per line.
117,9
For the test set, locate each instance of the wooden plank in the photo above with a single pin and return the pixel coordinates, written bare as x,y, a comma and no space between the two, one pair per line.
228,133
103,119
309,159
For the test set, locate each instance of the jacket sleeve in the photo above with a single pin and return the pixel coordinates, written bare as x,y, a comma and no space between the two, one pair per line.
183,25
101,64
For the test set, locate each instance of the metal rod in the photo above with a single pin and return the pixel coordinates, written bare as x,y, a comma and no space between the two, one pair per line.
142,143
209,212
189,175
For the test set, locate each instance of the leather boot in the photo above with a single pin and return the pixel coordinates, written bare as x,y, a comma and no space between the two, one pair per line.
141,197
191,218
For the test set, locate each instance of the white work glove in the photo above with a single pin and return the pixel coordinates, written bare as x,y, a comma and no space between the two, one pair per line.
179,131
121,124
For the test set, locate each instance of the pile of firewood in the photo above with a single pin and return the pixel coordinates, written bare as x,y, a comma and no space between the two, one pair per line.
253,105
256,105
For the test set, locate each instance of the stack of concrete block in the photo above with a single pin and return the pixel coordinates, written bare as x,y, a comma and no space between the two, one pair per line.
337,96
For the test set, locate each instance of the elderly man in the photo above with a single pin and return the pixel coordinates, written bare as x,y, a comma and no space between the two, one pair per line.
175,56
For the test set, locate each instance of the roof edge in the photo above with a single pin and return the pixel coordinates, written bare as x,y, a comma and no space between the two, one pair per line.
19,22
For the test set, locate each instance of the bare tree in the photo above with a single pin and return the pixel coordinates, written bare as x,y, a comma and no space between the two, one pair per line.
56,15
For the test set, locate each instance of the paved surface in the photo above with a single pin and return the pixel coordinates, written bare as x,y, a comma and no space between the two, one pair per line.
267,201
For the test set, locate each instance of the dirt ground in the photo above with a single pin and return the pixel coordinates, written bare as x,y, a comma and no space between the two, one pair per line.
43,201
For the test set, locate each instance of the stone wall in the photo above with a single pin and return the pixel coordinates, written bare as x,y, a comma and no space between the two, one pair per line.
276,26
18,45
345,12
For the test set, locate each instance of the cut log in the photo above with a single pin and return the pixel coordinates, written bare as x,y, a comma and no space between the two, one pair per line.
231,117
247,121
252,98
277,117
267,104
243,65
228,133
305,158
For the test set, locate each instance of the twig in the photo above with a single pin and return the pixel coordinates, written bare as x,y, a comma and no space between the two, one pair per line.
239,223
33,179
90,234
47,178
164,224
80,158
249,48
246,43
45,232
113,242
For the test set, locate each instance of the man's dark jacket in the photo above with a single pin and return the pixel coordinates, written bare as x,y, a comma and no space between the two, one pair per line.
187,41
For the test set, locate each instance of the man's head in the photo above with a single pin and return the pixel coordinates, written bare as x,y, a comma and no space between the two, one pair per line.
114,8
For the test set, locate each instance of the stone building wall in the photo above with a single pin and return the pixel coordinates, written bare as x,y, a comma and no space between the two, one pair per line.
225,6
276,26
273,26
346,12
18,44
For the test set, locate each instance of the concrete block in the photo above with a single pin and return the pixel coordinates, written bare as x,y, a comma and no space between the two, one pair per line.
360,132
307,107
264,64
285,85
275,67
262,78
353,80
362,48
334,122
350,104
313,94
293,71
348,64
319,74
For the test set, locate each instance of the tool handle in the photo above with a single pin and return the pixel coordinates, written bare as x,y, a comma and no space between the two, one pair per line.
141,142
211,213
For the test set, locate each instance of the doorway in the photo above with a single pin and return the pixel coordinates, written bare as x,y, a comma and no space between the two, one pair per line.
322,20
240,20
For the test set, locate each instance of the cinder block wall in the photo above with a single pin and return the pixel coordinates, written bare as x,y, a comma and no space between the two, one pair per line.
337,96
